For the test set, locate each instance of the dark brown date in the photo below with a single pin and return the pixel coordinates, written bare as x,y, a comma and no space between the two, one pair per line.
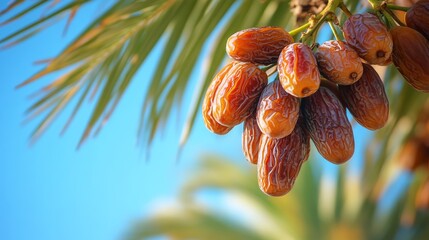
250,139
334,88
367,100
411,56
258,45
280,161
238,93
277,111
417,17
328,126
366,34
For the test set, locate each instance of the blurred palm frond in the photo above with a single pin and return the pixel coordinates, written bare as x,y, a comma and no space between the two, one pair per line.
104,59
318,207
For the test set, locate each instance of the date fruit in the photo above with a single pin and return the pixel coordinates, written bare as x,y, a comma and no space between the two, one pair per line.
366,34
334,88
238,93
297,68
367,100
258,45
338,62
328,126
210,122
277,111
417,17
280,161
250,139
411,56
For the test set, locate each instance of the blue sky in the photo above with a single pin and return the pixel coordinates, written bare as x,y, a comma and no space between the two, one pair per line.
50,190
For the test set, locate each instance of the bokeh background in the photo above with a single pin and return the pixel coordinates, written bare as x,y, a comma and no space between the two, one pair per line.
50,190
113,186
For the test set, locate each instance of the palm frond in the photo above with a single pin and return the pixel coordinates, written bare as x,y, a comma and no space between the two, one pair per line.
193,222
295,215
270,215
104,59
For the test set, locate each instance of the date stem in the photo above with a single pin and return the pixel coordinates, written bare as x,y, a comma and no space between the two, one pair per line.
388,11
390,20
268,67
396,7
334,31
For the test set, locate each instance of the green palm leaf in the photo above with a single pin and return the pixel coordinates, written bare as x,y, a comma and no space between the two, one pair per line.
104,58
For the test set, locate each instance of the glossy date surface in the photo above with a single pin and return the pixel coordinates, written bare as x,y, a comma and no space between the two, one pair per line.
277,111
417,17
280,161
297,68
367,100
369,37
411,56
210,122
258,45
250,139
238,93
328,126
338,62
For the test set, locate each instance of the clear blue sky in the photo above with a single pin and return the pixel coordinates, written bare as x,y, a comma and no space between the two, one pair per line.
50,191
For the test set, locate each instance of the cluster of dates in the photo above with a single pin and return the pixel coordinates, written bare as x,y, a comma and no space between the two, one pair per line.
309,97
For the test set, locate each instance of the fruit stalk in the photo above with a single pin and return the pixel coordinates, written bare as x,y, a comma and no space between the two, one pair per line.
376,4
325,15
396,7
331,6
388,11
382,4
299,29
391,23
268,67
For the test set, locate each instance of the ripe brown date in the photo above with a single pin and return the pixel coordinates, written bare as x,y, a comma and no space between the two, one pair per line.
411,56
258,45
211,123
280,161
328,126
277,111
366,34
338,62
238,93
297,68
334,88
417,17
250,139
367,100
